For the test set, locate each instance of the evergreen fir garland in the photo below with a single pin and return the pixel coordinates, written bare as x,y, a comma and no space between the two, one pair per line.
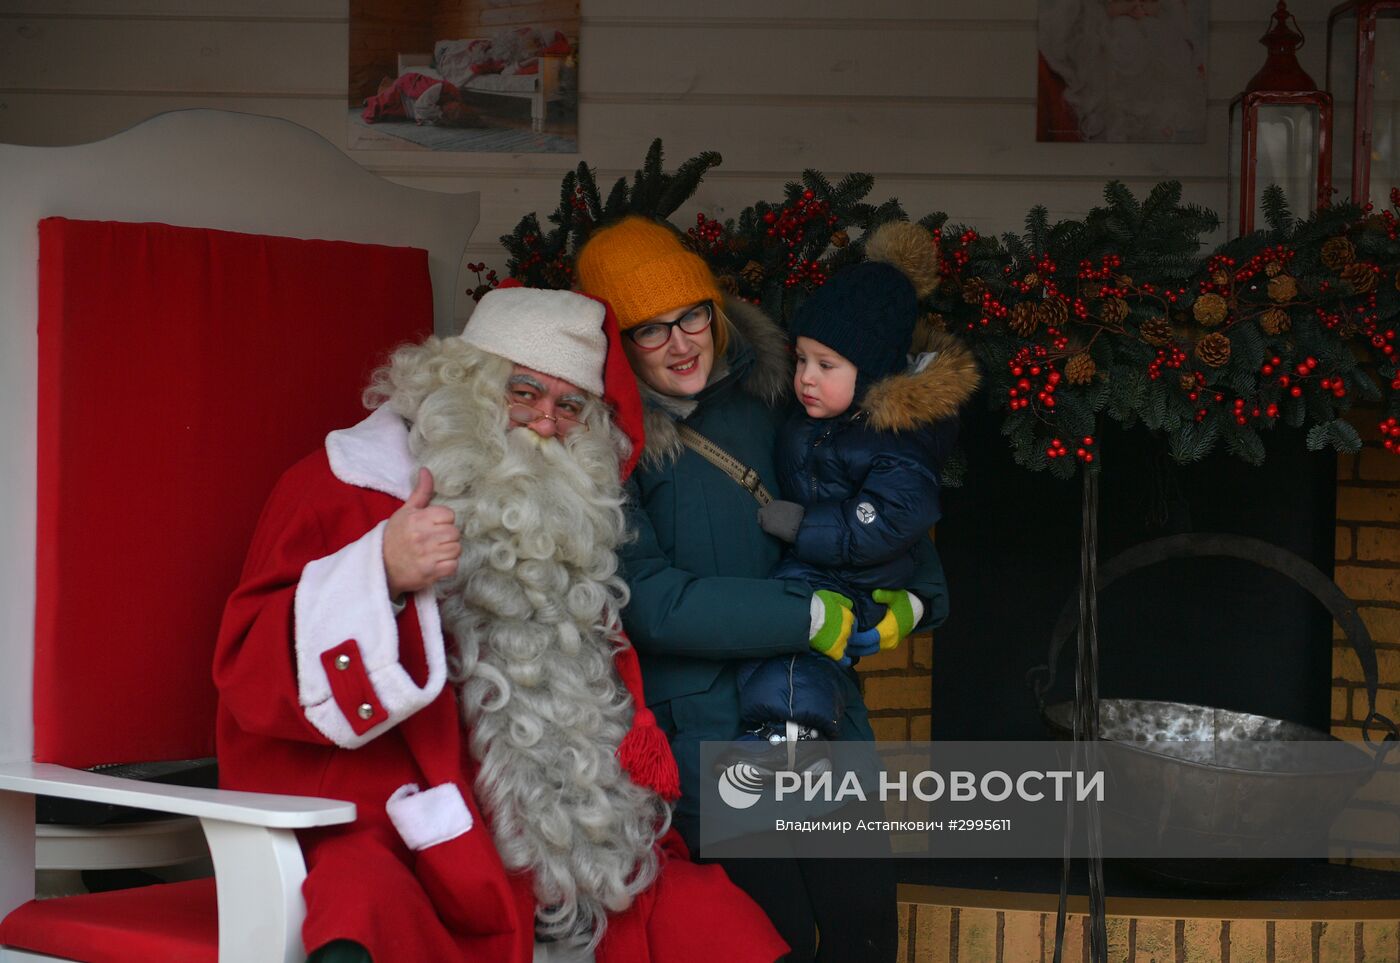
1117,314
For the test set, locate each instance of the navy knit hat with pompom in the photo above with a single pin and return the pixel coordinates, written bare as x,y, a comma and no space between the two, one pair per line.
867,312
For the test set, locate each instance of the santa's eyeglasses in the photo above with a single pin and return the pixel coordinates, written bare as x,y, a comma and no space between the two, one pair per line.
564,422
655,334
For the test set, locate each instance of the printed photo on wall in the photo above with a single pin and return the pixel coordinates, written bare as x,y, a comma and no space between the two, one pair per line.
464,75
1122,71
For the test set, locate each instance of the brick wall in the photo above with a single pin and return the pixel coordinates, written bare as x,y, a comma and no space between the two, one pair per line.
1368,570
898,689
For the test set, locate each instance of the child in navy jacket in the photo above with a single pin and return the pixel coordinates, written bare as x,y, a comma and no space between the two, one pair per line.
859,469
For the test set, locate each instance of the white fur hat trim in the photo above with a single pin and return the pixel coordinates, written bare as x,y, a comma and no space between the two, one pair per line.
559,333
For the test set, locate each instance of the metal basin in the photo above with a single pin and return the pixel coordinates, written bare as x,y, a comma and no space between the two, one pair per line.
1233,778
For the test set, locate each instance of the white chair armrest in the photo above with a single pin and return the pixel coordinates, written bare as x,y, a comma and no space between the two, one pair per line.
246,808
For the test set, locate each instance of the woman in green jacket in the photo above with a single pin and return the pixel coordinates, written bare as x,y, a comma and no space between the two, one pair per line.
701,599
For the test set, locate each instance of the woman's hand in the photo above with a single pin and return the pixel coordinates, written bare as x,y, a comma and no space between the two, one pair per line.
421,542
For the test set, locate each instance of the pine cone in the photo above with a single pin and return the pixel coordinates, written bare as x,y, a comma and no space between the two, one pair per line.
1220,279
1187,382
1360,276
729,284
753,274
1283,288
840,239
1113,310
973,289
1214,350
1031,279
1023,319
1273,269
1397,280
1156,331
1052,312
1211,310
1080,369
1124,280
1275,321
1337,253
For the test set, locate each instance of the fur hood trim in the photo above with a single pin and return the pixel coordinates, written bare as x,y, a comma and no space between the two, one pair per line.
768,378
903,402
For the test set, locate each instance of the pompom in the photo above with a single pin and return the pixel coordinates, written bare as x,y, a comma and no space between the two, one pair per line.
908,248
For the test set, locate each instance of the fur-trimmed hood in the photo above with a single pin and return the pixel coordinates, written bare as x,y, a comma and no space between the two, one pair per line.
915,399
758,362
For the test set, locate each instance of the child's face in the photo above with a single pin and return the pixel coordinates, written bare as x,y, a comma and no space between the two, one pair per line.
825,382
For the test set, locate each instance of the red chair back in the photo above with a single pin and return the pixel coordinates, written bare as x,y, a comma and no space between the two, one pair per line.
180,372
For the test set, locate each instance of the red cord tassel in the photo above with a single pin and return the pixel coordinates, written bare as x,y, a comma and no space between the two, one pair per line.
646,755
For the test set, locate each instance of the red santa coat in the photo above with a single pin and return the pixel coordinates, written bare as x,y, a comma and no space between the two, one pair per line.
324,691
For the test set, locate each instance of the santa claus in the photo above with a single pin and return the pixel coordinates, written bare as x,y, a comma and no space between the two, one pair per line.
428,625
1122,71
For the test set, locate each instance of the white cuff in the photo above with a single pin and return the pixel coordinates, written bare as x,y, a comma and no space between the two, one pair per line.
818,617
425,819
917,605
344,597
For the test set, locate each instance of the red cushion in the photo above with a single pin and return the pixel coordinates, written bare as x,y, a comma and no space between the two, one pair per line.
181,371
169,923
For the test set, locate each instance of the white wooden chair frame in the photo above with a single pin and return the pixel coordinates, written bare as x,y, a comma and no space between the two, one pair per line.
196,168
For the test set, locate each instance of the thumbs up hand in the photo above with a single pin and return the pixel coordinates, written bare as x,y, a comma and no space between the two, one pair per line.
421,542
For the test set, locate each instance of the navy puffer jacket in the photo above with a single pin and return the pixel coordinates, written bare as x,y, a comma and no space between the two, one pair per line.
869,480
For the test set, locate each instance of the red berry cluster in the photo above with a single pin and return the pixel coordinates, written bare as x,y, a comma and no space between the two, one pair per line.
1263,259
479,291
1243,412
579,202
1034,374
1171,357
790,222
808,271
1390,435
1085,452
708,234
959,256
1108,264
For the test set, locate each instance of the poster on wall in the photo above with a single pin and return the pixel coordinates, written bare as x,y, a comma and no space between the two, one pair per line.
1122,71
464,75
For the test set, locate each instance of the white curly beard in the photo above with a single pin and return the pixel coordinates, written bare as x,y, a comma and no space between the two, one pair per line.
533,608
1129,79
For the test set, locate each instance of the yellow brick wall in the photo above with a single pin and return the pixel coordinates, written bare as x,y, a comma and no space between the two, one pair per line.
1368,570
898,689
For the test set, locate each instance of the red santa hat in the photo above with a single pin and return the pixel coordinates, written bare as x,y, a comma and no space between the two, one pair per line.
568,335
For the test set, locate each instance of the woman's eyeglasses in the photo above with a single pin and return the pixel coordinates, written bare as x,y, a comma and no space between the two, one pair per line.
654,334
564,422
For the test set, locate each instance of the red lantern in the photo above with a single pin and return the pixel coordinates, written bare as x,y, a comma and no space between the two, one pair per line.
1363,74
1280,132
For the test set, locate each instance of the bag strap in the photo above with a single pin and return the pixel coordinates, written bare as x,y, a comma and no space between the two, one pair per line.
746,477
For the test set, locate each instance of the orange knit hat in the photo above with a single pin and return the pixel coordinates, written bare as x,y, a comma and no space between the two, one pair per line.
640,268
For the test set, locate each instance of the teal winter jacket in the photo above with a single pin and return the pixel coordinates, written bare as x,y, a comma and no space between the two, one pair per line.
698,565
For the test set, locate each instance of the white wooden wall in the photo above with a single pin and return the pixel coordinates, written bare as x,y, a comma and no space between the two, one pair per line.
935,97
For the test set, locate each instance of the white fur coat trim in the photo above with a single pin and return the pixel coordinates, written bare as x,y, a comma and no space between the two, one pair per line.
426,818
374,454
346,596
